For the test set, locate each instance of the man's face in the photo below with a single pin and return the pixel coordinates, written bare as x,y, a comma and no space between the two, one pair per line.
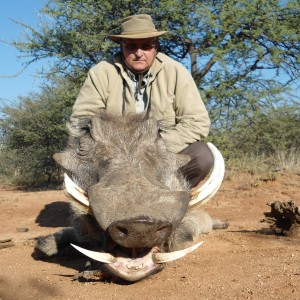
139,54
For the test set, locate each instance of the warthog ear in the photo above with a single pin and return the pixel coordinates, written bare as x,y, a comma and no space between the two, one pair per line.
182,159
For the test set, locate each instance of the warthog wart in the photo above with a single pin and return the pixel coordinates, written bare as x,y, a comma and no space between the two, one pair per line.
131,206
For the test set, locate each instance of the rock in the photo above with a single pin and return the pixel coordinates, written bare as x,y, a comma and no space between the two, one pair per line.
6,243
22,229
284,218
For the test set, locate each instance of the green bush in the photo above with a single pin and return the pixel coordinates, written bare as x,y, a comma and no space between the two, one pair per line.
31,132
268,139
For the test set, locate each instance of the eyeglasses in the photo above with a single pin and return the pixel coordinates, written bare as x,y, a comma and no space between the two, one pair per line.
144,47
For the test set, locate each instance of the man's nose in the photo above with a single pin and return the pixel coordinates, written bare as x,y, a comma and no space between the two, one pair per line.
139,52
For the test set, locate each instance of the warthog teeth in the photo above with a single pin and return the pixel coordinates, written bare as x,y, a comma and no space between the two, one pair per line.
99,256
75,191
135,267
213,183
160,258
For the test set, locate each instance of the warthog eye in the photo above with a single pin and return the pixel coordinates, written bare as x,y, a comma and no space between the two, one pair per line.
85,146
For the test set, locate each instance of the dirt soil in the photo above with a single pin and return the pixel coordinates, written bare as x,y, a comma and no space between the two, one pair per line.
241,262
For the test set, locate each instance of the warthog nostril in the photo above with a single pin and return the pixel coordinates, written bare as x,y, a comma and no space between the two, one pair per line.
139,232
122,231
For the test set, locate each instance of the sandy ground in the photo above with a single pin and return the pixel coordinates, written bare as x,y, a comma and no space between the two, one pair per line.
240,262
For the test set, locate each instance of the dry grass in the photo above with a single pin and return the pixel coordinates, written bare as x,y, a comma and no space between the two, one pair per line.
256,164
261,169
288,161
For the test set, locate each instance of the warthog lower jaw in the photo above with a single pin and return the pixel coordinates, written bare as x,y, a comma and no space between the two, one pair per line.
134,269
131,269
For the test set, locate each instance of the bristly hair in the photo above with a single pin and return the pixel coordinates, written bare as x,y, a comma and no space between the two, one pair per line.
78,127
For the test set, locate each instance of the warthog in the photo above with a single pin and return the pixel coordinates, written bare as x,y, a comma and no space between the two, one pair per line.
129,201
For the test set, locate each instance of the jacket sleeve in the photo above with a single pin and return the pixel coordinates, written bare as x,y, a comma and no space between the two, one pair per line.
192,120
91,98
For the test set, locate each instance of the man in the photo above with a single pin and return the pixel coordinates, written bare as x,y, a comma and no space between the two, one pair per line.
142,80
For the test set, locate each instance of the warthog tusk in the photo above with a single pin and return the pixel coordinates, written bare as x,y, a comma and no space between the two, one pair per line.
213,183
160,258
99,256
75,191
157,258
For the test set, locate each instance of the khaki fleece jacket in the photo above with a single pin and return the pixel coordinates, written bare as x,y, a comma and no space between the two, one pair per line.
172,98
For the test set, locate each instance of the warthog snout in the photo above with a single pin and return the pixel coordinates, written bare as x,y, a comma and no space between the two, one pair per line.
140,232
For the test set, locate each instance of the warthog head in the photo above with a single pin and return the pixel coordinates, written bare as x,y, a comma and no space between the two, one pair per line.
128,198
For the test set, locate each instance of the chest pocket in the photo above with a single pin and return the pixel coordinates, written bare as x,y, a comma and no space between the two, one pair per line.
163,109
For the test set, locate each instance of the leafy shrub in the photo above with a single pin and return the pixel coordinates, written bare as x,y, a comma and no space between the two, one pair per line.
31,132
268,139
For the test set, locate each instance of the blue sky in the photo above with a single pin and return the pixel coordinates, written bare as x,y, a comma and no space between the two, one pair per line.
25,11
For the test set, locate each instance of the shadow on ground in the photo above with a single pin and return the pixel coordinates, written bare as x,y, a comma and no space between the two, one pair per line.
55,214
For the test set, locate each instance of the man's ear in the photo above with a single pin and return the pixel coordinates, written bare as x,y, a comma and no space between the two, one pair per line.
157,46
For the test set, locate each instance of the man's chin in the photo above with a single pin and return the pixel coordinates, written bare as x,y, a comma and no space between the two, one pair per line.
139,67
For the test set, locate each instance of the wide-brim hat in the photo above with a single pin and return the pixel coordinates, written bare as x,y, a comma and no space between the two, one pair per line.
136,27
